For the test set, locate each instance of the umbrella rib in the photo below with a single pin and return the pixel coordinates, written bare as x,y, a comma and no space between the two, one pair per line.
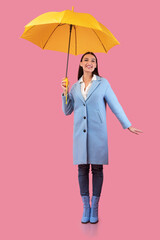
99,40
75,41
52,33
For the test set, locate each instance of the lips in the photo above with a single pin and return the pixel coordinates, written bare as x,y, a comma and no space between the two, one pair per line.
88,66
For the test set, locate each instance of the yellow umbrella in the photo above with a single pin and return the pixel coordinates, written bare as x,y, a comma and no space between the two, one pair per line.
70,32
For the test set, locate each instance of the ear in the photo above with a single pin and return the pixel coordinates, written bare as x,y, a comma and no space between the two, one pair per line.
80,64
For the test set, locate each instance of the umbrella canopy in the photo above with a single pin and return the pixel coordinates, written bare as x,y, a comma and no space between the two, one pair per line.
70,32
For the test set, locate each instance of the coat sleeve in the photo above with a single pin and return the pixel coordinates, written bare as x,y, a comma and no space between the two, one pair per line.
116,108
69,107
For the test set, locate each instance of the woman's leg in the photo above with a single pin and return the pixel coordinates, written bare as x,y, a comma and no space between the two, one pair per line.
97,179
83,178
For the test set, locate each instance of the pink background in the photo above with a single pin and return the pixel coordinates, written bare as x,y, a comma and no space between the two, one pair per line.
40,196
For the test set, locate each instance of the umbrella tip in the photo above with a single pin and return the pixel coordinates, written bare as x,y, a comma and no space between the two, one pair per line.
72,8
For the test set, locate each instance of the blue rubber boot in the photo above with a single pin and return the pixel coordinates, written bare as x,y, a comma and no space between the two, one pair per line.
94,210
86,209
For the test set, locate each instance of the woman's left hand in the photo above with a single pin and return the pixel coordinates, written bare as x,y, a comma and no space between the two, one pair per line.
134,130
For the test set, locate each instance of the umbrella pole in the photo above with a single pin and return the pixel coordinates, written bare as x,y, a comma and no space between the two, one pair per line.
68,61
68,49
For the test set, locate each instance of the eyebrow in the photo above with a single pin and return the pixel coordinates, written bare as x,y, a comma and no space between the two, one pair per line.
92,58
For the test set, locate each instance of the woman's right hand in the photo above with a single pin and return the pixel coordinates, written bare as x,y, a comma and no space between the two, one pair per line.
63,85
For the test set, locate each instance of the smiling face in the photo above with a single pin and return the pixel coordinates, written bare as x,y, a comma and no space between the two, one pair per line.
88,63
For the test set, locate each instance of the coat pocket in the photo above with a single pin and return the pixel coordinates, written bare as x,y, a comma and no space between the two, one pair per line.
99,116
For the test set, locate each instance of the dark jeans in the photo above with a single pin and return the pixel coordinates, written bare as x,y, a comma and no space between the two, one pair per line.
97,179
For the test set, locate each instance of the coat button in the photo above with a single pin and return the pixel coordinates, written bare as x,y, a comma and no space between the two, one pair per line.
84,117
84,130
84,104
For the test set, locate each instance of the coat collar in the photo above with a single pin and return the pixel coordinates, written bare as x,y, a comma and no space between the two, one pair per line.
93,86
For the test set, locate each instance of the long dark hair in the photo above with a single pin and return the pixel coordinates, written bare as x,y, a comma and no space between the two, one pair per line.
80,71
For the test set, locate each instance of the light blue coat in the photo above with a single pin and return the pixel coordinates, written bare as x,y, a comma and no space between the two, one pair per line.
90,139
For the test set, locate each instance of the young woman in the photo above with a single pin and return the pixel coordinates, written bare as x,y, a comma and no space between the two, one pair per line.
88,98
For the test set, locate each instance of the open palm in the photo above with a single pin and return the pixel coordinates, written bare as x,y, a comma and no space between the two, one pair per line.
134,130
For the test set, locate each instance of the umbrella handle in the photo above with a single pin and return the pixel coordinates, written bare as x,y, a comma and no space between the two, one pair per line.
66,80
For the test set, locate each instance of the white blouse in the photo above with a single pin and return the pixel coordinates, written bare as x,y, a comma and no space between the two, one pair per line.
85,92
